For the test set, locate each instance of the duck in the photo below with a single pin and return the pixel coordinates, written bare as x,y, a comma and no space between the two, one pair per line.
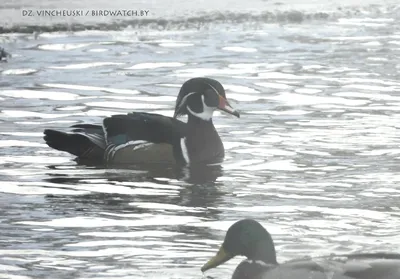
3,55
142,137
249,238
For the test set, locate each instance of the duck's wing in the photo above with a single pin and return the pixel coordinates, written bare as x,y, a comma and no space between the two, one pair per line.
140,137
86,141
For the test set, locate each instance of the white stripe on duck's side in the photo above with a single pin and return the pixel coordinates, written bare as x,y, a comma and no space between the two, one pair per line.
136,144
185,152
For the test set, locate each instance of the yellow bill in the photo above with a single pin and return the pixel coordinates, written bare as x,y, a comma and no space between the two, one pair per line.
218,259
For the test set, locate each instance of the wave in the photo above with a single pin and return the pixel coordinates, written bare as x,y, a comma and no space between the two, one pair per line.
205,20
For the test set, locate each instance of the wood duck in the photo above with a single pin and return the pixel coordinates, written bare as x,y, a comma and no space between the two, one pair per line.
249,238
140,137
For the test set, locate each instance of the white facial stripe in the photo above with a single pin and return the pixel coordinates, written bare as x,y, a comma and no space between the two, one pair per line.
213,88
183,101
185,153
207,112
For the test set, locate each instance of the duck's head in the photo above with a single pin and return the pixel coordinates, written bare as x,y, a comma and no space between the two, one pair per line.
247,238
200,97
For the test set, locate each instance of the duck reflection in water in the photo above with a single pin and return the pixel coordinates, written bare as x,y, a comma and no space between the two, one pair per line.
196,185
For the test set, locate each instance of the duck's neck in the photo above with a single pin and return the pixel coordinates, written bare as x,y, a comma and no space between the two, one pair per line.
264,252
203,142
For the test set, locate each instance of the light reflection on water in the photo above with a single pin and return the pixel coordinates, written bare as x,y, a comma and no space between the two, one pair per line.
314,156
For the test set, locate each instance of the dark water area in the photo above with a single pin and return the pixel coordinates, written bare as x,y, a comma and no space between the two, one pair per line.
314,156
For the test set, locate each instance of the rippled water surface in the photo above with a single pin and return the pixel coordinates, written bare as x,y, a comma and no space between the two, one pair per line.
314,156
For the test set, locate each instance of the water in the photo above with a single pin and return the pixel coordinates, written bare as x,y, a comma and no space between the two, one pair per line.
314,156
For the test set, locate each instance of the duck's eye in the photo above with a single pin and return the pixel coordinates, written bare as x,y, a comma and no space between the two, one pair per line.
211,98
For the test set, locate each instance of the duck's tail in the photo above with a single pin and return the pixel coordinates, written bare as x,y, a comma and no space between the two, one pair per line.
76,144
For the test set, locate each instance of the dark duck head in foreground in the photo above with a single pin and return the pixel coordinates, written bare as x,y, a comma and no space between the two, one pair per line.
250,239
140,137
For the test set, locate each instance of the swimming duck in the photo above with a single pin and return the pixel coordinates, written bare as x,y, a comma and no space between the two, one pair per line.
140,137
3,55
249,238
